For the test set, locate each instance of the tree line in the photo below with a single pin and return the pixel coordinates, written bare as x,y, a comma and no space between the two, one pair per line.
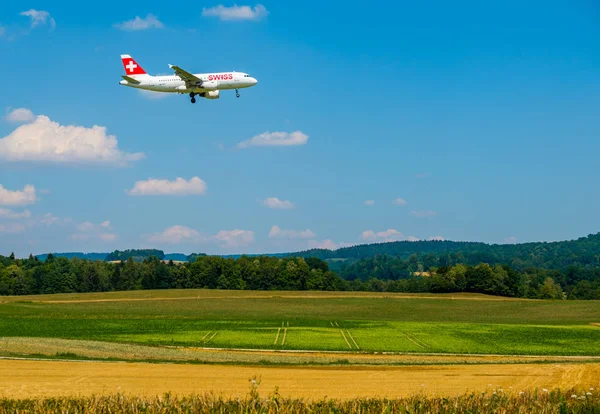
63,275
379,274
430,273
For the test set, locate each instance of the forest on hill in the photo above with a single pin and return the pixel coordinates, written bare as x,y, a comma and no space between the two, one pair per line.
583,252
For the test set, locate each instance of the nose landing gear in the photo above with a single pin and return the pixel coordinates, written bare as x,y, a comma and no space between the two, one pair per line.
237,93
192,94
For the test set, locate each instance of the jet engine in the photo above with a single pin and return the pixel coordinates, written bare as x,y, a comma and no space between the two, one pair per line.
209,85
211,94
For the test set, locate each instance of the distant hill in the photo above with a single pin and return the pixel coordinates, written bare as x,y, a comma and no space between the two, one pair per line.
137,255
79,255
192,257
176,257
583,252
397,249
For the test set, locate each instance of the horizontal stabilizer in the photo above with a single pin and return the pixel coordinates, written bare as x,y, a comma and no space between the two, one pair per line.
131,80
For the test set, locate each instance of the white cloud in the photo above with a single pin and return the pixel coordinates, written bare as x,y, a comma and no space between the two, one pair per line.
275,139
49,219
107,237
17,197
412,239
236,12
12,228
39,17
149,22
235,238
91,231
86,226
153,96
423,213
369,202
46,141
510,240
385,236
400,201
274,202
323,244
183,234
176,235
436,238
278,232
20,115
13,215
179,187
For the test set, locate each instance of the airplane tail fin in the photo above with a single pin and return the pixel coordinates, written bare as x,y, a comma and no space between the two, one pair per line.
131,66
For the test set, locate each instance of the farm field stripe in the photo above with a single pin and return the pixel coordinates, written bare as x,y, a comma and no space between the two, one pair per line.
569,358
284,336
204,337
349,346
336,324
423,344
351,337
277,337
331,323
490,299
412,340
212,337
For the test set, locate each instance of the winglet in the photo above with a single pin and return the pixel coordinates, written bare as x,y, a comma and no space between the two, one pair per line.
170,66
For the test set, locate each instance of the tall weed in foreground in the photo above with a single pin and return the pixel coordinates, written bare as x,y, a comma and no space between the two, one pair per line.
496,401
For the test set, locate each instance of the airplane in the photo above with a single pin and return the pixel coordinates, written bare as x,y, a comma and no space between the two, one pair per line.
205,85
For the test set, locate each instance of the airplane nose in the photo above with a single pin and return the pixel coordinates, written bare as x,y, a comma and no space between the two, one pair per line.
254,81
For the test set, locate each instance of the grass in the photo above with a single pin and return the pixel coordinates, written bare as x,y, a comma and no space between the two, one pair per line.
465,324
556,401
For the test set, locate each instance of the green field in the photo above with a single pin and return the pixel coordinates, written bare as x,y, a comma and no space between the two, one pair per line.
465,324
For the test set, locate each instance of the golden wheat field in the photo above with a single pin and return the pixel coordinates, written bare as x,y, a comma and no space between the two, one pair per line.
27,378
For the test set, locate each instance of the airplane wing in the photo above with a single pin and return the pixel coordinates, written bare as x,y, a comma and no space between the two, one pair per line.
190,80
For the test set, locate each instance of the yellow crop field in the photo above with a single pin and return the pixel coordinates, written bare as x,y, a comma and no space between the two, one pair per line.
26,378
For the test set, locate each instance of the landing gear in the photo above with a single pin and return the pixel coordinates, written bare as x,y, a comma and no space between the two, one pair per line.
192,94
193,100
237,93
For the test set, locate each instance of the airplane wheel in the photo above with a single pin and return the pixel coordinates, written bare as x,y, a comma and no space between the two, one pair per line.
192,94
193,100
237,95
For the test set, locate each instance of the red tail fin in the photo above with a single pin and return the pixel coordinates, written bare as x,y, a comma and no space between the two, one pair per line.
131,66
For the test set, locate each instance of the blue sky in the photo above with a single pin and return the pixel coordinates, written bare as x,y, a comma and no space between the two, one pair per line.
465,121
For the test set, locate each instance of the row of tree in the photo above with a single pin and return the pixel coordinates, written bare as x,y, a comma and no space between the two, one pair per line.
62,275
58,275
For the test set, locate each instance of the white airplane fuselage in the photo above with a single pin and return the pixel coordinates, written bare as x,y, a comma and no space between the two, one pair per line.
210,82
